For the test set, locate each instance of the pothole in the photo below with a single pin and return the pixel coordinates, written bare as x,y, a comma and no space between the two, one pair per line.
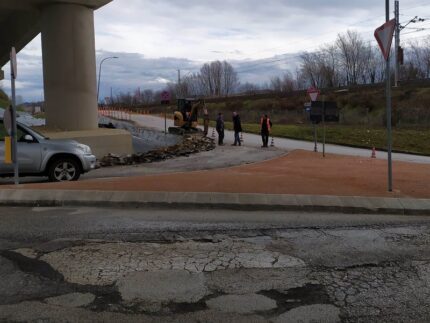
295,297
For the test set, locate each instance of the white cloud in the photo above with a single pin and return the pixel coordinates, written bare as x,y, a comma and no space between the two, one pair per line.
155,38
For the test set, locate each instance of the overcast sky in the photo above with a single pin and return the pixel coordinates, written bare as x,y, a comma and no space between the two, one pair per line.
260,38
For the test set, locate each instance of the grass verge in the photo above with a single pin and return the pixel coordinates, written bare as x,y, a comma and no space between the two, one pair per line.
414,141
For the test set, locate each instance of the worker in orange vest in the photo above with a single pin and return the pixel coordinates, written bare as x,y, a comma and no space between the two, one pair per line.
265,128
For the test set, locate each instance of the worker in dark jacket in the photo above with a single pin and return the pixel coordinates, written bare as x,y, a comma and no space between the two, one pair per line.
265,128
237,126
220,129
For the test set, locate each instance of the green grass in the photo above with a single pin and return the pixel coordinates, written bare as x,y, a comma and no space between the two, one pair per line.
404,140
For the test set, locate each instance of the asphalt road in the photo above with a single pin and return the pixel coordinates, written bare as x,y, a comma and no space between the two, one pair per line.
152,265
283,143
222,157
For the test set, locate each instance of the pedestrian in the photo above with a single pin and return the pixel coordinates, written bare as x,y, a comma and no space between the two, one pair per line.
220,129
237,126
205,122
265,128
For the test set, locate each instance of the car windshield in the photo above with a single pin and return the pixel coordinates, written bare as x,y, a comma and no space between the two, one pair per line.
34,132
22,127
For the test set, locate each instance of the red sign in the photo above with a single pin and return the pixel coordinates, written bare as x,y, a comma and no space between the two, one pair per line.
165,96
313,93
384,37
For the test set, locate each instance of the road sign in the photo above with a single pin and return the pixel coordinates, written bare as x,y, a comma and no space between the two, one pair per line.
7,121
13,63
319,110
165,97
313,93
384,37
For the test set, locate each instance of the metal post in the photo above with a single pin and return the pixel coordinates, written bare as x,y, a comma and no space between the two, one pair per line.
315,138
165,120
179,85
323,120
14,129
388,93
396,44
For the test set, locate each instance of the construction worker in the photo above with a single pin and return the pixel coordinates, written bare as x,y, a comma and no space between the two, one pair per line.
205,122
237,126
220,129
265,128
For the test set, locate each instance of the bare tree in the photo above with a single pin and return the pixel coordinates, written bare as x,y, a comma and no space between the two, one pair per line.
218,78
310,70
147,96
216,74
420,57
248,88
276,84
206,79
374,67
230,79
329,66
286,83
125,98
289,84
352,51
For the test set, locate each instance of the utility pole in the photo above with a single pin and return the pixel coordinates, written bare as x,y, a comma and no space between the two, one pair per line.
388,93
179,84
396,44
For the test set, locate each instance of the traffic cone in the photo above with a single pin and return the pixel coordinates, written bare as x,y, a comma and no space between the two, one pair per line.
373,153
213,132
272,143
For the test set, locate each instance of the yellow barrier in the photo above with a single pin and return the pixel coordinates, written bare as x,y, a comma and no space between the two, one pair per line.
7,150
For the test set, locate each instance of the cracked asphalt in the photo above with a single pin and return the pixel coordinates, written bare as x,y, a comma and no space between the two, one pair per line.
168,265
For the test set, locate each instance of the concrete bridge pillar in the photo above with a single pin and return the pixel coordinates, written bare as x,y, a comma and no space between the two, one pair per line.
69,66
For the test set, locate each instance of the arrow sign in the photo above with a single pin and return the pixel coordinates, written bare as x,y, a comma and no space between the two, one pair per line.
384,37
313,93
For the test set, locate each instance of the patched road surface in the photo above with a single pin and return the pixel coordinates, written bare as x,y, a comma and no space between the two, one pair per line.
158,265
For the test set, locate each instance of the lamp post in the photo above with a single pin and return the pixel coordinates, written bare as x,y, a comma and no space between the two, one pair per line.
100,71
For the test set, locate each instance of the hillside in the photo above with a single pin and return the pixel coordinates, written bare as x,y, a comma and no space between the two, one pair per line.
357,106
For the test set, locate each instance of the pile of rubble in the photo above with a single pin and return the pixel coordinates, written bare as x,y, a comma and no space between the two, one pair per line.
190,144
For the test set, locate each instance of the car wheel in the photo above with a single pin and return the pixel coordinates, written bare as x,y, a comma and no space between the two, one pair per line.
63,170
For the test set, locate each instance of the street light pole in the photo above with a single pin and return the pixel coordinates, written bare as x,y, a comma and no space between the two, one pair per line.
100,72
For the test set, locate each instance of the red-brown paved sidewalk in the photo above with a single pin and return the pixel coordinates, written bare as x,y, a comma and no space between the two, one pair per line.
300,172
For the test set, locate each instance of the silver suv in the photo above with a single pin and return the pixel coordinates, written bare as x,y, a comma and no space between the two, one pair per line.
60,160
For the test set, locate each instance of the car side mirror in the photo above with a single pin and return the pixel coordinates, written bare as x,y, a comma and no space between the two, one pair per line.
28,138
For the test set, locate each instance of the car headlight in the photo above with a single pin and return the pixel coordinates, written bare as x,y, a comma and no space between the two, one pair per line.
86,149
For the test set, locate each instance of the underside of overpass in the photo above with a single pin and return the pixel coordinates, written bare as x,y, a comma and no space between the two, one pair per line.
68,50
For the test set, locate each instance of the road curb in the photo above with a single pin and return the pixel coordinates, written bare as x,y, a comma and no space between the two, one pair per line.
235,201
